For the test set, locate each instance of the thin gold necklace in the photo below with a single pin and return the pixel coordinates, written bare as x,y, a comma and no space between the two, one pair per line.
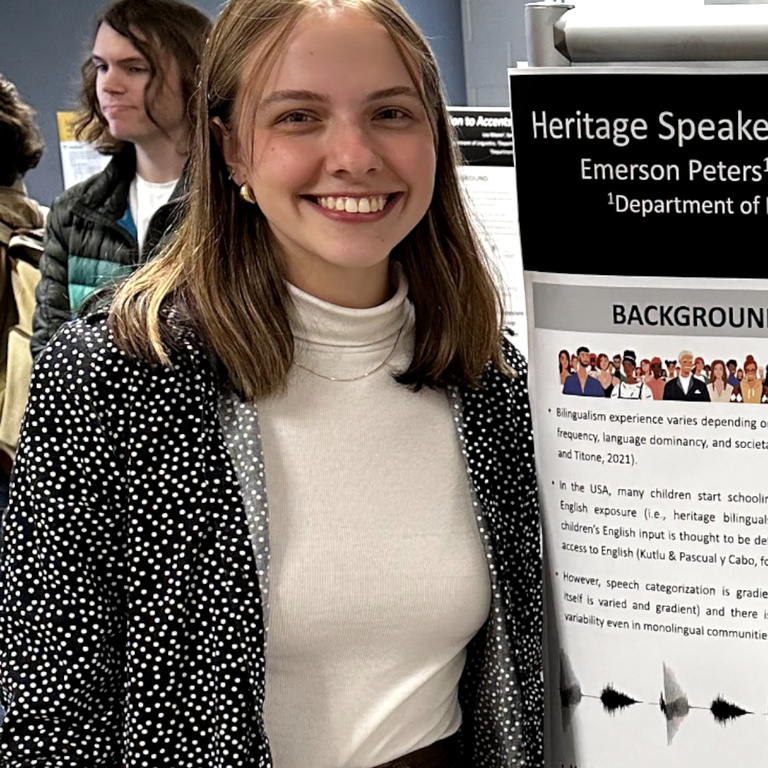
363,376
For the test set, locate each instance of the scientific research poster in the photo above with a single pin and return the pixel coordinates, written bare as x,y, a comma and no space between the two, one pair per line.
79,160
488,178
643,209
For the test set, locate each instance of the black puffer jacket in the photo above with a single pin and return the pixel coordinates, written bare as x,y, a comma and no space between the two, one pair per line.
90,242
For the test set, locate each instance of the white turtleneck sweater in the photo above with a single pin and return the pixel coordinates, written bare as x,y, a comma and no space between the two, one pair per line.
378,578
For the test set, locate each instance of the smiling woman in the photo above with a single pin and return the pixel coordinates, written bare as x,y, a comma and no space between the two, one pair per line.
321,331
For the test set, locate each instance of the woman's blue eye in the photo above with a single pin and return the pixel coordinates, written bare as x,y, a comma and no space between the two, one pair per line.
296,117
392,113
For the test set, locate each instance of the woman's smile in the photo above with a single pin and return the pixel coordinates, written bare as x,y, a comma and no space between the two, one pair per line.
355,209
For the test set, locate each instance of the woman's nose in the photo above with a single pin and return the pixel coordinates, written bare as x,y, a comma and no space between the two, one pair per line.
352,150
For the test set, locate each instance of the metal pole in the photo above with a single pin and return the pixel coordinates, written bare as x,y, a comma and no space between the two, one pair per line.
706,33
544,40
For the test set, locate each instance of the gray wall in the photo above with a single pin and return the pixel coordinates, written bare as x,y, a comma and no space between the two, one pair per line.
441,22
42,43
494,39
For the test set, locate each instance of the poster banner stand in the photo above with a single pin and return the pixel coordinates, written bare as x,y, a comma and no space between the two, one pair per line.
643,207
561,35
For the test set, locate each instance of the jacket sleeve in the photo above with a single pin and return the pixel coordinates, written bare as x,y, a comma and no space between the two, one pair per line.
524,563
61,606
52,295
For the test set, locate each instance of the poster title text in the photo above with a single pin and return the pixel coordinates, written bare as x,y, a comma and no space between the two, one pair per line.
620,131
689,316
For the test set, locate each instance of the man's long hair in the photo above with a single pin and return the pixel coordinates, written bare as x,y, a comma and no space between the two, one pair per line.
157,29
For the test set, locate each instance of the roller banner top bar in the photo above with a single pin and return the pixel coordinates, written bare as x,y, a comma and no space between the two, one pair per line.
642,171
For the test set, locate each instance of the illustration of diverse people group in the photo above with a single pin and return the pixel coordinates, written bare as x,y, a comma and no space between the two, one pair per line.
686,378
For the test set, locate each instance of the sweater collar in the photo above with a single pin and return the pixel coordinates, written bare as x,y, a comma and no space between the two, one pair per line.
319,323
343,342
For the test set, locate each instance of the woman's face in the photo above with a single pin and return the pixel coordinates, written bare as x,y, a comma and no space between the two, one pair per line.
574,362
718,371
563,361
342,157
603,362
645,366
750,371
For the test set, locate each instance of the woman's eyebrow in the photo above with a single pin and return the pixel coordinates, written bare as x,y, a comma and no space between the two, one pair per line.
292,95
397,90
313,96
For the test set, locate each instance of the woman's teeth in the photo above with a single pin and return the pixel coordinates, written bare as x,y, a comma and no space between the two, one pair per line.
354,204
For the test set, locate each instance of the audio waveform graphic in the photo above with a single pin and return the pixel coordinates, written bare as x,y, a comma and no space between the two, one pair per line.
673,700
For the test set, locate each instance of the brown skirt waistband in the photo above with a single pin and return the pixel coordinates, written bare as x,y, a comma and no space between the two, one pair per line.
441,754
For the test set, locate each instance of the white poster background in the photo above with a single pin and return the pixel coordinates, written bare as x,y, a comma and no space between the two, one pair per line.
626,648
79,161
492,195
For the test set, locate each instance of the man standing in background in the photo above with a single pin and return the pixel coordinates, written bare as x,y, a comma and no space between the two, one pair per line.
135,105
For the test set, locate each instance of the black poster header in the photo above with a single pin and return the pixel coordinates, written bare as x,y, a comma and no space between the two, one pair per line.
484,135
661,173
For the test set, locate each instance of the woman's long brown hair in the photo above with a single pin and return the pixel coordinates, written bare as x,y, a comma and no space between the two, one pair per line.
222,271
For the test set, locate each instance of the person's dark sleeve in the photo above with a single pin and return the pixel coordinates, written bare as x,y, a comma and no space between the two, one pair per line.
52,295
525,563
61,605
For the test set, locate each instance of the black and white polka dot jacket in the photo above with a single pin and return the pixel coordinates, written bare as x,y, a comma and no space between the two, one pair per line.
131,622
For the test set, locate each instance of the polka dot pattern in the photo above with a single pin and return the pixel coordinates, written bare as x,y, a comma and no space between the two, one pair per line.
131,611
502,694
